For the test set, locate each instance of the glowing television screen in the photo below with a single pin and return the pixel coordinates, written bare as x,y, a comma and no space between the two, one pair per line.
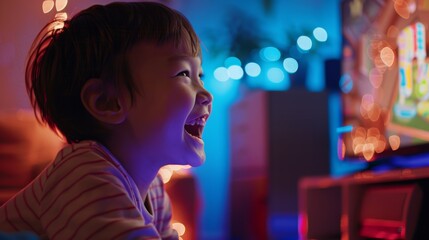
384,78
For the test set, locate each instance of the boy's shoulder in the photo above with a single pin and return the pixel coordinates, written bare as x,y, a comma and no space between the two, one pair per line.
86,153
85,160
87,163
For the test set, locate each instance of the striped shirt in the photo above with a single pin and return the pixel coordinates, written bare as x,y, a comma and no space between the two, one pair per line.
85,193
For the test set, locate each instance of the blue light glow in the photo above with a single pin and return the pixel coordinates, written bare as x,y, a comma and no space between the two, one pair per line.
290,65
344,129
320,34
252,69
304,43
314,82
270,54
221,74
275,75
235,72
346,83
232,61
338,167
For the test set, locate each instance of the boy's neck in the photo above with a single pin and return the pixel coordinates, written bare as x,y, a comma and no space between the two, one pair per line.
141,166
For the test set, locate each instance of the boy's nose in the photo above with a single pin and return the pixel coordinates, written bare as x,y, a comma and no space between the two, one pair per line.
204,97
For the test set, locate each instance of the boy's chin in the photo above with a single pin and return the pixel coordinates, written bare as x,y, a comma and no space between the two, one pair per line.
196,160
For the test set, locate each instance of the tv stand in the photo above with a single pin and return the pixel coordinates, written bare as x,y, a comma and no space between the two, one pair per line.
393,202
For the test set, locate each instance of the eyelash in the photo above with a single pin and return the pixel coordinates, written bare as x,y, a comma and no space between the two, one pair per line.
187,74
184,74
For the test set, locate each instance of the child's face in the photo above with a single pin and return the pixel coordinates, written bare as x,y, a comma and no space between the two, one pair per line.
171,106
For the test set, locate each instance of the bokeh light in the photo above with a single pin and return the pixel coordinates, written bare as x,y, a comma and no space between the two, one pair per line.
395,142
375,77
179,227
392,31
230,61
252,69
221,74
367,102
235,72
270,54
60,4
381,145
402,8
387,56
47,6
165,173
275,75
346,83
368,151
61,16
320,34
290,65
304,43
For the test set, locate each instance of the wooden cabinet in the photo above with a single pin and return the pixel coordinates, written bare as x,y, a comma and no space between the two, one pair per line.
276,138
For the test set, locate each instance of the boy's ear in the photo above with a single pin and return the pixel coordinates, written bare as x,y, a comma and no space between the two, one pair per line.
103,102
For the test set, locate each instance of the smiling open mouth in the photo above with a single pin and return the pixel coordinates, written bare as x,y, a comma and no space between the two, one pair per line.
194,130
196,126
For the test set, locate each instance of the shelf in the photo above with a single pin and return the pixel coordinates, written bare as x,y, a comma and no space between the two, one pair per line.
338,208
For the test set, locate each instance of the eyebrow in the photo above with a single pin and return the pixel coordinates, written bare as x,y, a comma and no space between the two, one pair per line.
185,58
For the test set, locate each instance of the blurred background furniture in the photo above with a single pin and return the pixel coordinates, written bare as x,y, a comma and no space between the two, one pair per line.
25,148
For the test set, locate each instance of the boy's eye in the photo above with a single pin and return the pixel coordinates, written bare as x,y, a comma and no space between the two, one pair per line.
201,76
184,74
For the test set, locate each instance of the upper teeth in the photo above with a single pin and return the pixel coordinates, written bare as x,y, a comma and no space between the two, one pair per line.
199,121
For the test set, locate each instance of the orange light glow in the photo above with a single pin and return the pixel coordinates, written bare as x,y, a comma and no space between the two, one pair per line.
358,140
165,173
367,142
347,52
401,8
59,20
381,145
58,25
366,105
61,16
373,132
373,141
374,113
358,143
179,227
395,142
368,151
367,101
359,132
358,149
60,4
387,56
392,32
47,6
375,77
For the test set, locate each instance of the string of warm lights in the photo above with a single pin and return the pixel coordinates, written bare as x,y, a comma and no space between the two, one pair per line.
60,17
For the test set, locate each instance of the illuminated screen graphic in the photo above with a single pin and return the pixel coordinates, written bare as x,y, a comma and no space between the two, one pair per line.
385,78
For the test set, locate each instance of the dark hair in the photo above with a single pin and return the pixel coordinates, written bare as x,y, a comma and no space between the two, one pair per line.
94,44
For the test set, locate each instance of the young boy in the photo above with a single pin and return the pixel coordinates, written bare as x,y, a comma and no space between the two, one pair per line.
122,84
